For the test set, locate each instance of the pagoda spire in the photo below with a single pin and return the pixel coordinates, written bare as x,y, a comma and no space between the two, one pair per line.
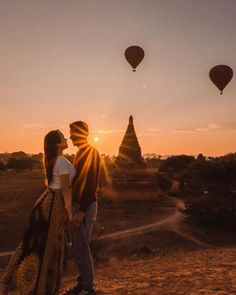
130,150
131,120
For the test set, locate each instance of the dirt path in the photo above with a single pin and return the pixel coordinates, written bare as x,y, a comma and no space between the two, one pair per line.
171,223
163,224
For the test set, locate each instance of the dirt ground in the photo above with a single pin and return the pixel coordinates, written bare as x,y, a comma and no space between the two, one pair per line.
146,247
211,271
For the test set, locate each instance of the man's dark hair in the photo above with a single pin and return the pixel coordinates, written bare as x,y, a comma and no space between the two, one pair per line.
79,127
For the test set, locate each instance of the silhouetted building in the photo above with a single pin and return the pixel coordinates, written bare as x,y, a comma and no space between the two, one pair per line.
130,179
130,150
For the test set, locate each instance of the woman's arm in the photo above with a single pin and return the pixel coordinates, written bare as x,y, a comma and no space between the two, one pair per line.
66,191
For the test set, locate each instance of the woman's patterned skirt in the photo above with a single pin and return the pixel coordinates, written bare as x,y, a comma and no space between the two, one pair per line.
35,267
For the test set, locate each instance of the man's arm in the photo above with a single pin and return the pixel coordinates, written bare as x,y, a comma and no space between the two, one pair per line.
91,182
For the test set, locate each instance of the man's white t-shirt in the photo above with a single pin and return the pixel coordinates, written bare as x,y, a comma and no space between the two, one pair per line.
61,167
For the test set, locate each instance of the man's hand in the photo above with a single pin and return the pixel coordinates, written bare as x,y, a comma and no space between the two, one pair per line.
78,218
69,216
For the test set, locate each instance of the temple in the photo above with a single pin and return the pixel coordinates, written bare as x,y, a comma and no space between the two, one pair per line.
130,150
130,178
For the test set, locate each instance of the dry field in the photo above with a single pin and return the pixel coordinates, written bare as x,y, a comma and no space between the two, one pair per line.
18,192
146,246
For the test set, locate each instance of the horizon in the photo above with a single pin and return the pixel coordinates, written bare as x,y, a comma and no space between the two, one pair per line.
145,156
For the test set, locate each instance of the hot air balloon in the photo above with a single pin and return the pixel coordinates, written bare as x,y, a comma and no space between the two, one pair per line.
134,55
221,75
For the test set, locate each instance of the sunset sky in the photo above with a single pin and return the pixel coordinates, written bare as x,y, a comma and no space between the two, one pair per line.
63,60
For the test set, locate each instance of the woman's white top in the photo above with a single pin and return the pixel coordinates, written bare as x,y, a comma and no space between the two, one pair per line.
61,167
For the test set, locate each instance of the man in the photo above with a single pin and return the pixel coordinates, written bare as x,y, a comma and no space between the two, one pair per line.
84,196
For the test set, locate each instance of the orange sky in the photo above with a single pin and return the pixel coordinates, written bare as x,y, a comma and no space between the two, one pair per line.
63,61
210,140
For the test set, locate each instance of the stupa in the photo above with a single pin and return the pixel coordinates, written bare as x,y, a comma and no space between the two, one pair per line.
130,178
130,150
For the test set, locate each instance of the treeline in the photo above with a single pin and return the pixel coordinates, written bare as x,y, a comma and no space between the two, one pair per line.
20,161
208,186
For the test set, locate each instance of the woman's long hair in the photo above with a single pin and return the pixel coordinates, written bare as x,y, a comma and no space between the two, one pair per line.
51,145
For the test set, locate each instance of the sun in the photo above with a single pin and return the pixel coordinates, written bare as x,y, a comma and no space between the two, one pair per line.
96,139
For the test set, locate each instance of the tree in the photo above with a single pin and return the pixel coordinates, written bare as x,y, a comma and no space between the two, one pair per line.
211,191
19,154
25,163
176,167
163,182
154,162
38,161
200,157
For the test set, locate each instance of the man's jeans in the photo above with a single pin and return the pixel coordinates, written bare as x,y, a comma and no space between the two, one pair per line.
81,239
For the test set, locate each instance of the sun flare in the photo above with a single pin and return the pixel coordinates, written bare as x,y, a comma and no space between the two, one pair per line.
96,139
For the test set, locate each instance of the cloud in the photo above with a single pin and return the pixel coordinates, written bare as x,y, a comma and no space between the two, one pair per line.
153,130
182,131
210,127
109,131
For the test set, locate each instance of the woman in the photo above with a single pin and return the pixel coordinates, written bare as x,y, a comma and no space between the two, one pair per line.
36,266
